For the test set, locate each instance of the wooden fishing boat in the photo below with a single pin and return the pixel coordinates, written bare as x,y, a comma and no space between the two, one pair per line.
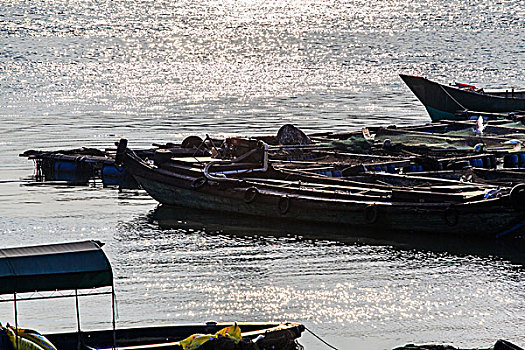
82,269
239,187
444,102
269,336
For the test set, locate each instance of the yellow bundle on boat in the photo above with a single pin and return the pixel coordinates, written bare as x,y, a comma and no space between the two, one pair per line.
36,338
194,341
233,332
23,343
28,339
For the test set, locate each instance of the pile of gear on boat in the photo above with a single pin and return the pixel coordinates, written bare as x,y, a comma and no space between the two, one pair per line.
459,150
456,172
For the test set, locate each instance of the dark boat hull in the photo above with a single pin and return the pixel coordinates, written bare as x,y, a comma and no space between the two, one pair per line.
444,102
487,218
276,335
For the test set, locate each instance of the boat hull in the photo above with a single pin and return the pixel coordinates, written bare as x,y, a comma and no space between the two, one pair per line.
488,218
276,335
444,102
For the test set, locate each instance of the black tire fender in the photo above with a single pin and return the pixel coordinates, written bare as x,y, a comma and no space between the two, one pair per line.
250,194
284,204
199,183
370,213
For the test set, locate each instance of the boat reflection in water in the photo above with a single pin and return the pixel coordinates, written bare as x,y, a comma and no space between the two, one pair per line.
171,217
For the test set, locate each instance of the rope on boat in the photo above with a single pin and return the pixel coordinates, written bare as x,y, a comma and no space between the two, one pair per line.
209,176
199,148
453,99
318,337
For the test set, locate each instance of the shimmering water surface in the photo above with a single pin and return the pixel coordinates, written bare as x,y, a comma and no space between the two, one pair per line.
85,73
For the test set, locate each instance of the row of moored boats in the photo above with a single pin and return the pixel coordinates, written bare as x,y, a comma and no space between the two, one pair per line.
451,177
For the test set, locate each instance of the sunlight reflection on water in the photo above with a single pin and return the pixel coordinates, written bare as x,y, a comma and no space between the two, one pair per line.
86,73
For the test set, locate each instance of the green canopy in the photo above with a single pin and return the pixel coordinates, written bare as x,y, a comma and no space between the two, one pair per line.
78,265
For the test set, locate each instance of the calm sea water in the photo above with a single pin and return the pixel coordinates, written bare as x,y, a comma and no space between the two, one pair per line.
85,73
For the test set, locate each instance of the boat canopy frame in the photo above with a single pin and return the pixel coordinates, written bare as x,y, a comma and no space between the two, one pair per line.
53,268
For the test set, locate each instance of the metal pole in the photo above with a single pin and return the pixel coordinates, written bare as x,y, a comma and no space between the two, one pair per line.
16,322
113,312
78,319
78,311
